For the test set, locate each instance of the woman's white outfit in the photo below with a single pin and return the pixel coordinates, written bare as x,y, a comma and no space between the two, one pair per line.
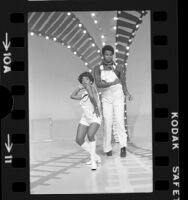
89,117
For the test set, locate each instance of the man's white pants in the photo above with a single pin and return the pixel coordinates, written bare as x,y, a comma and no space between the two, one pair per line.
113,101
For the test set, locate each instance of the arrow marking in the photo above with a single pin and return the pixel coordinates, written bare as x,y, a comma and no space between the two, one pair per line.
8,145
6,43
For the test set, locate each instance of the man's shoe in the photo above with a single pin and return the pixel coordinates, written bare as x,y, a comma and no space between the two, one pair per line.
123,152
109,153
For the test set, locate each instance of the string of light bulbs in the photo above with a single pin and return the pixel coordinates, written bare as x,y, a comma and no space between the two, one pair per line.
130,39
96,21
71,46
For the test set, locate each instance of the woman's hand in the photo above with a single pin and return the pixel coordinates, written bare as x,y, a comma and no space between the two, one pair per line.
96,111
81,87
117,81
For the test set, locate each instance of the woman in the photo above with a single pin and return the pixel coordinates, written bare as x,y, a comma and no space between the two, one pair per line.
91,117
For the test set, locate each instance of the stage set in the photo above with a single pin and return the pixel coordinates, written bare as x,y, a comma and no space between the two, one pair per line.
62,45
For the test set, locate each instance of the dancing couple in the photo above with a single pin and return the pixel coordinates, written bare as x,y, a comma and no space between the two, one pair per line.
109,79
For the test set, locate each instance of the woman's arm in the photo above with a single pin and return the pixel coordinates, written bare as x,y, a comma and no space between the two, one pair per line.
93,98
75,94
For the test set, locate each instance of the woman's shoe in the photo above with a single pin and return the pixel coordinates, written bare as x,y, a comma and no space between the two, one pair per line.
93,165
97,159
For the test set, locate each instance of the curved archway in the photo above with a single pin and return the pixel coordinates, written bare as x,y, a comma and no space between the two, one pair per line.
66,29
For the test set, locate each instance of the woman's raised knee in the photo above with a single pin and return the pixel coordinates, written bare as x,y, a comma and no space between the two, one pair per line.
79,141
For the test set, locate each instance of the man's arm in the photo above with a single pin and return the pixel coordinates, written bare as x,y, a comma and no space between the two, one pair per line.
98,82
122,78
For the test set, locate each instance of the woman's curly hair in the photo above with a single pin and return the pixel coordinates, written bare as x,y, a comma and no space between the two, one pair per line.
86,74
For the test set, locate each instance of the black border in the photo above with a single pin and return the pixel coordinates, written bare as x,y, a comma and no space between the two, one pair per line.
14,124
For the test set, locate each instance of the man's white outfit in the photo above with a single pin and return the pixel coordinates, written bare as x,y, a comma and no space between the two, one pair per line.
112,102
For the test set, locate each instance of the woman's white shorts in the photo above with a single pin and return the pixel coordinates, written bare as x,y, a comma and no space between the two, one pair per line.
89,120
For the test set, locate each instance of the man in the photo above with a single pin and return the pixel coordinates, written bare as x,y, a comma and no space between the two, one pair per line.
109,78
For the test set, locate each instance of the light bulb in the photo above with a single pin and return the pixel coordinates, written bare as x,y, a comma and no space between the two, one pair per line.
84,31
80,25
31,33
98,51
75,53
119,12
47,37
93,44
127,54
40,34
117,35
68,46
127,47
102,36
54,39
115,18
114,27
93,14
95,21
116,43
116,50
137,26
90,70
103,43
86,63
68,13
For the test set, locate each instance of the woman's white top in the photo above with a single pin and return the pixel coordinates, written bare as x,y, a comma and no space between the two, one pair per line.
86,104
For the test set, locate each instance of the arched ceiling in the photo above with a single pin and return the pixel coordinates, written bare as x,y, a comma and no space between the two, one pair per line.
76,31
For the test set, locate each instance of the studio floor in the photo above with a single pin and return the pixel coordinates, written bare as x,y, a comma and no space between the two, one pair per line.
58,167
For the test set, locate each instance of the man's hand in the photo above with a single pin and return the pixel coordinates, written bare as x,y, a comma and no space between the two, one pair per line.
128,96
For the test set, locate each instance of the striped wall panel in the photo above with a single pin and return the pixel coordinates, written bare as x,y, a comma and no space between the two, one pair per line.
70,35
125,24
128,16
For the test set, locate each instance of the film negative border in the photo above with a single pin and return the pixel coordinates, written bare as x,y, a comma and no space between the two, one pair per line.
15,146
